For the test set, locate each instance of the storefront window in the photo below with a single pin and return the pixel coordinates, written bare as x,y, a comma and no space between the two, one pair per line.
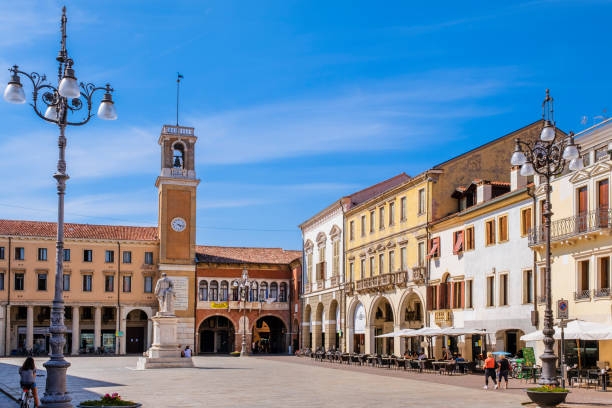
87,342
581,353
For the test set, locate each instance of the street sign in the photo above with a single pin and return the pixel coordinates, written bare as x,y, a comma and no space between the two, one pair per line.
562,309
118,334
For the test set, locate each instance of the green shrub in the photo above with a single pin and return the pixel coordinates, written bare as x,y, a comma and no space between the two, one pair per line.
548,388
108,400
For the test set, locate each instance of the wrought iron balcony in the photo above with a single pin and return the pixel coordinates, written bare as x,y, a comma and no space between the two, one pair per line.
382,282
601,293
565,228
418,274
582,294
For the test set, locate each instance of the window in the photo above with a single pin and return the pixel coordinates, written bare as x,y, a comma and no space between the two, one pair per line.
502,228
213,292
19,281
282,292
87,255
203,290
372,265
372,221
66,282
601,153
148,258
263,291
432,298
421,253
403,209
582,207
109,283
148,284
363,225
321,266
526,219
391,213
434,248
274,291
469,238
254,291
457,242
603,204
352,230
1,280
457,295
403,260
503,290
310,277
391,261
583,276
603,273
351,271
528,286
336,258
19,254
381,264
542,284
468,294
490,291
42,254
542,205
86,313
381,218
42,281
66,255
178,154
421,203
127,257
109,256
224,292
87,280
362,269
127,283
490,232
1,252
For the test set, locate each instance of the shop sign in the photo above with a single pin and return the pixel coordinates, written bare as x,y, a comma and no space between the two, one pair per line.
219,305
119,334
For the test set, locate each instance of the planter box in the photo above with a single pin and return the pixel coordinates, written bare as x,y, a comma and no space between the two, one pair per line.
136,405
547,399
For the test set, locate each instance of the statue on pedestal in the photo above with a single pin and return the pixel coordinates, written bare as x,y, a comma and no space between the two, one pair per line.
164,291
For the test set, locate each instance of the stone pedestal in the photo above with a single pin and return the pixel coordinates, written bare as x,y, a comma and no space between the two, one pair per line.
164,352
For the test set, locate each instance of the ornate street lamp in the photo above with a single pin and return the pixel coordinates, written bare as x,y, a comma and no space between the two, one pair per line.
244,285
547,157
59,104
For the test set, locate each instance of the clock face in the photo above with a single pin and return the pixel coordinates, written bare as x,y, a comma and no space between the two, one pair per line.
178,224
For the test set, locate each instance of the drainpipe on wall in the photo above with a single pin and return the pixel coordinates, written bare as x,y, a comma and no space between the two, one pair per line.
428,234
7,328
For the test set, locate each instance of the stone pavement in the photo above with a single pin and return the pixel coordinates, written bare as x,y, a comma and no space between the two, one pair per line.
259,382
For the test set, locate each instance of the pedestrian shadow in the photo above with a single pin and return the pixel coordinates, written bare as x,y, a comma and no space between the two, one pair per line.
77,386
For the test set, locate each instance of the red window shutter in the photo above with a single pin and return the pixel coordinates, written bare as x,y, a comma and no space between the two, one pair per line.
434,249
429,297
462,294
451,295
603,194
441,295
458,244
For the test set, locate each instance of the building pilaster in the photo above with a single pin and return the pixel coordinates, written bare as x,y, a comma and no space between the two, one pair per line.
76,334
30,328
97,328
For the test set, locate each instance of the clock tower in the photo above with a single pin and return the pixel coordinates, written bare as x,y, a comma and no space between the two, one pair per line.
177,184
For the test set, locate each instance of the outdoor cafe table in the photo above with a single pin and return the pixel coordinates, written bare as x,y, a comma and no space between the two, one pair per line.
438,365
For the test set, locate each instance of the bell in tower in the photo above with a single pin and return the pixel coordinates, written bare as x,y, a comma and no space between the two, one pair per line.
177,150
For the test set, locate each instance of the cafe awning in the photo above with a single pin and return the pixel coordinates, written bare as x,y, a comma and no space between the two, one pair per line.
395,334
576,330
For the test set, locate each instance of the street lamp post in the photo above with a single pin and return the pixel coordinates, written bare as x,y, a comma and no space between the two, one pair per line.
547,157
244,285
60,103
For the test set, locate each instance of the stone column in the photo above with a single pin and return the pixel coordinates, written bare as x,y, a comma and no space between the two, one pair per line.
369,344
3,317
30,328
117,328
150,334
122,326
97,327
399,344
316,335
76,333
7,335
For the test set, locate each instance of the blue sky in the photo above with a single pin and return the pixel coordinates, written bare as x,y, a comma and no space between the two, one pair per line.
295,103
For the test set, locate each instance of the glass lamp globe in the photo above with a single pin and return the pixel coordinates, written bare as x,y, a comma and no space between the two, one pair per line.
570,152
51,113
518,158
69,87
576,164
548,132
107,110
14,92
527,169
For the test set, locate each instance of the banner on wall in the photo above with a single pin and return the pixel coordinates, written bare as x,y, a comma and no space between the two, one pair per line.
360,320
219,305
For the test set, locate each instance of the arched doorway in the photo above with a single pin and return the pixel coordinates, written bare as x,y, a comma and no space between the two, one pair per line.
216,335
509,340
334,325
318,336
269,335
359,329
307,328
381,322
135,332
411,316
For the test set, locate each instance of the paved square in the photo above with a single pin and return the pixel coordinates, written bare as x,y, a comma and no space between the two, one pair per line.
264,382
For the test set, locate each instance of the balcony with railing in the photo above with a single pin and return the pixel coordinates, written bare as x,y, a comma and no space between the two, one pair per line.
385,281
418,274
178,130
587,223
582,294
602,293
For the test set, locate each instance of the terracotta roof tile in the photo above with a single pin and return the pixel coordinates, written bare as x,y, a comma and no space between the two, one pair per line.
372,191
217,254
77,231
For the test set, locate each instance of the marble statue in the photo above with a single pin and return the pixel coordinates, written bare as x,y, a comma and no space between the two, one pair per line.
164,291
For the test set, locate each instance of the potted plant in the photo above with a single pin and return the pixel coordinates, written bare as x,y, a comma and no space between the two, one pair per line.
547,395
235,354
110,401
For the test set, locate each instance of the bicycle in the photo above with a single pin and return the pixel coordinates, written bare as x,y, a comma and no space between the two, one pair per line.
27,398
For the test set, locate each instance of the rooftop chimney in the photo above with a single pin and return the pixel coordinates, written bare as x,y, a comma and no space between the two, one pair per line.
516,180
484,191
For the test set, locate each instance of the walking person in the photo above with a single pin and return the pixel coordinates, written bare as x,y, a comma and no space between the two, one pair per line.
489,366
504,369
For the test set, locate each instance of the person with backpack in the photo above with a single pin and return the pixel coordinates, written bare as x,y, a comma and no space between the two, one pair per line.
489,366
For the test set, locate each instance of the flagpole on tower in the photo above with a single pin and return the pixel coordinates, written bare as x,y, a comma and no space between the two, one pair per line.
178,81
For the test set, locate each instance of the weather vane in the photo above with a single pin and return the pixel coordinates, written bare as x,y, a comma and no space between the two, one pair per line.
178,83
